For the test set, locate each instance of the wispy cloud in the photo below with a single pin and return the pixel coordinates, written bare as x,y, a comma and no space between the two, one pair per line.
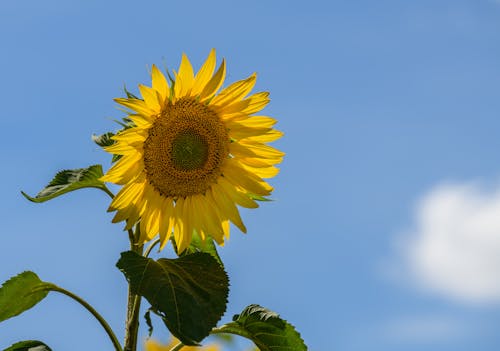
453,248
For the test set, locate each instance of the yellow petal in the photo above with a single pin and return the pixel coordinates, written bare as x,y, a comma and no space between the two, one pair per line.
239,149
128,207
141,121
128,195
121,167
237,196
188,224
256,122
160,83
186,77
222,217
179,224
248,127
204,74
121,148
147,200
166,221
210,218
151,98
137,105
150,214
215,83
131,135
268,137
196,215
252,104
239,176
226,227
227,207
152,345
258,162
150,224
123,214
262,149
234,92
263,172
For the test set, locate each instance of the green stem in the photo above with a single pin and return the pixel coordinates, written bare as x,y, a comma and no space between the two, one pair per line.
132,324
131,237
107,191
153,244
133,302
89,308
178,347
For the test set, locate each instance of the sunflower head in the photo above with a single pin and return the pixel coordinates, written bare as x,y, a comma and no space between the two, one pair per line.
192,155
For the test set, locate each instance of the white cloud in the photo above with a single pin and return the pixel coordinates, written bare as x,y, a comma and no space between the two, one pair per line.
454,247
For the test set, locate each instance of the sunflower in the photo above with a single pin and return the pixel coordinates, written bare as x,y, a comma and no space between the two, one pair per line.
192,155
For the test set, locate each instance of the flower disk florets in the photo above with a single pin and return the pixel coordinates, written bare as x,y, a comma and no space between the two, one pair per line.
185,149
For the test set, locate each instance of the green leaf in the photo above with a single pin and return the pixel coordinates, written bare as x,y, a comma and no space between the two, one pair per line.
198,245
103,140
225,338
29,345
189,293
70,180
20,293
266,329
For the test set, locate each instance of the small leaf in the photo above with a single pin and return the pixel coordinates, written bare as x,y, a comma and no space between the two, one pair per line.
189,293
29,345
70,180
103,140
20,293
266,329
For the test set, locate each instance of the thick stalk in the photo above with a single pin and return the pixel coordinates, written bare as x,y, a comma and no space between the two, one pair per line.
133,302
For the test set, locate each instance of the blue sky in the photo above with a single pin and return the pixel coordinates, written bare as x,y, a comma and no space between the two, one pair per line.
385,229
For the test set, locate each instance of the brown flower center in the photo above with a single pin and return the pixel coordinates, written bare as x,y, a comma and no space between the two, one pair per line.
185,149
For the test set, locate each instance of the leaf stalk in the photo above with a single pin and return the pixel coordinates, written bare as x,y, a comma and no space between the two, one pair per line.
89,308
